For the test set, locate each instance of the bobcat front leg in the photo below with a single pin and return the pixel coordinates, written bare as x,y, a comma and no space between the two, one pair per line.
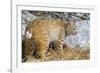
58,46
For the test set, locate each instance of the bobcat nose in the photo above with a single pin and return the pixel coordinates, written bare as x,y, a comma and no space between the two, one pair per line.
74,33
28,35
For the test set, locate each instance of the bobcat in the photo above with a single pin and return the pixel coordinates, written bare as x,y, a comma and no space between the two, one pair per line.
43,31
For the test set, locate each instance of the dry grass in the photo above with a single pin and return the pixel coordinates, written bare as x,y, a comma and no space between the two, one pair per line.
69,54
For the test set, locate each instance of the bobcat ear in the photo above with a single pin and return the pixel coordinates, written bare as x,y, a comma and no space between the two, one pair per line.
67,23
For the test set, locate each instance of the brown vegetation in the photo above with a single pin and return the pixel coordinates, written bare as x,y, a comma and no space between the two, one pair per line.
69,54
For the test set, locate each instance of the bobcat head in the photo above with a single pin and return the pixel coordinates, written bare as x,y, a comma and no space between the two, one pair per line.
70,28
